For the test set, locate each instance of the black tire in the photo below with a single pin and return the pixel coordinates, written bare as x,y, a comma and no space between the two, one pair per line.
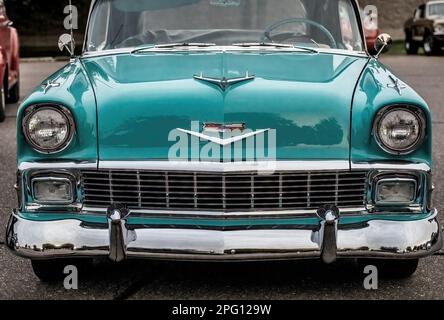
2,105
392,269
430,46
411,47
14,94
52,270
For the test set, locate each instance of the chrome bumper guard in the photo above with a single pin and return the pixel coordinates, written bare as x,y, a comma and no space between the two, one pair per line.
120,240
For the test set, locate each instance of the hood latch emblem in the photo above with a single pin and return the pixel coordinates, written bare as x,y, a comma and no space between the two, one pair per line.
224,83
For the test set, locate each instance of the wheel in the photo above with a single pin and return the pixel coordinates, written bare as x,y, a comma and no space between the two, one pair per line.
14,93
392,269
53,270
430,47
2,105
411,47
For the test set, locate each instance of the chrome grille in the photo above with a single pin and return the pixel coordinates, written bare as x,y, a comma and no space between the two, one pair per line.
227,192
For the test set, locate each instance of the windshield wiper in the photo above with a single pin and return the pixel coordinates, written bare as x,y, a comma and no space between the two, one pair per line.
273,45
174,45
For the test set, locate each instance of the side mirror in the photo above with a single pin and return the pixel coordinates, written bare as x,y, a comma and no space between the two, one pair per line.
383,44
66,42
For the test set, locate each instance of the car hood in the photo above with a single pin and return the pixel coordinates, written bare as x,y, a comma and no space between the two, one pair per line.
304,98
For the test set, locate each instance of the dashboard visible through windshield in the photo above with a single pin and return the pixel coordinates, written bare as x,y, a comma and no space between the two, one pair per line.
329,24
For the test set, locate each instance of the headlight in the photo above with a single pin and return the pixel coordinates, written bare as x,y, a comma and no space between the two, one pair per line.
439,29
400,130
48,128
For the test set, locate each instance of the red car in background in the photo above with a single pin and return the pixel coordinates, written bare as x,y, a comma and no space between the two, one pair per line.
9,62
371,28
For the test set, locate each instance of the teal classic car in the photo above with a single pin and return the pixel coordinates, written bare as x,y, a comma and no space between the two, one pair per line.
224,130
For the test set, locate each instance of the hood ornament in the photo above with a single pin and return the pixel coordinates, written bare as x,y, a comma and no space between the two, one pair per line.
224,83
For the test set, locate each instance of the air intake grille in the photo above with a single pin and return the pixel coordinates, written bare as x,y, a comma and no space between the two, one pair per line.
227,192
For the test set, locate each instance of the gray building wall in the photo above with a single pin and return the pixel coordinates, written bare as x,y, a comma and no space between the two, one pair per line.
393,14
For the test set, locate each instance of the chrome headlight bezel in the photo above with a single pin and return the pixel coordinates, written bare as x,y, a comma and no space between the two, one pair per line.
415,111
64,112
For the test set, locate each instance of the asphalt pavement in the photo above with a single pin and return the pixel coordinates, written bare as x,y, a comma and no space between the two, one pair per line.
283,280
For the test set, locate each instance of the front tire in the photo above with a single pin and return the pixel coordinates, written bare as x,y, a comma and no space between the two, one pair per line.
430,46
53,270
411,47
392,269
14,93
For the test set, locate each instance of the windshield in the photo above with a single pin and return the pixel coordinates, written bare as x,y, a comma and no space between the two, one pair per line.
436,9
314,23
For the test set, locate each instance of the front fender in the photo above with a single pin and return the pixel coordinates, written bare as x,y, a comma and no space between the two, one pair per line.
375,91
76,94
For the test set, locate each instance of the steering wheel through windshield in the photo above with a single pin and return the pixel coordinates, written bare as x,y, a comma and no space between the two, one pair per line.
267,33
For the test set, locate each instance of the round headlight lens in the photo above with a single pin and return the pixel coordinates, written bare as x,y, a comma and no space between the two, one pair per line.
48,129
439,29
400,130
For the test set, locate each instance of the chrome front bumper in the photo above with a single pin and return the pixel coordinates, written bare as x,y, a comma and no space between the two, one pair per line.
372,239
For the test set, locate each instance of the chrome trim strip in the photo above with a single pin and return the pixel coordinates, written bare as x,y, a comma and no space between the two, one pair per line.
221,49
218,214
73,238
78,165
404,166
266,166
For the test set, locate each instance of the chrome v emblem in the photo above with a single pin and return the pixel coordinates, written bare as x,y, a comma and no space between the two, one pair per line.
224,83
223,142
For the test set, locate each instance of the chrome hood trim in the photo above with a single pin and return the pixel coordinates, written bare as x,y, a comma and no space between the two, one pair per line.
228,167
265,166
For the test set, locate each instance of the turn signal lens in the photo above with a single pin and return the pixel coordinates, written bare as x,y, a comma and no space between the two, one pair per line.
52,190
396,191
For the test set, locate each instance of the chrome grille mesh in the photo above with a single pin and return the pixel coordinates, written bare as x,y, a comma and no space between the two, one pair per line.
228,192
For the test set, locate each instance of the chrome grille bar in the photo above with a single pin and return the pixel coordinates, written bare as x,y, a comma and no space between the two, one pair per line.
139,191
226,192
167,190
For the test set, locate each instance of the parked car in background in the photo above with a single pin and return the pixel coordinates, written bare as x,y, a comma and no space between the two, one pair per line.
371,28
426,29
224,131
9,62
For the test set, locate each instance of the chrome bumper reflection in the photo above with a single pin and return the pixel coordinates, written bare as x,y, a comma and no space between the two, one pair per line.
73,238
